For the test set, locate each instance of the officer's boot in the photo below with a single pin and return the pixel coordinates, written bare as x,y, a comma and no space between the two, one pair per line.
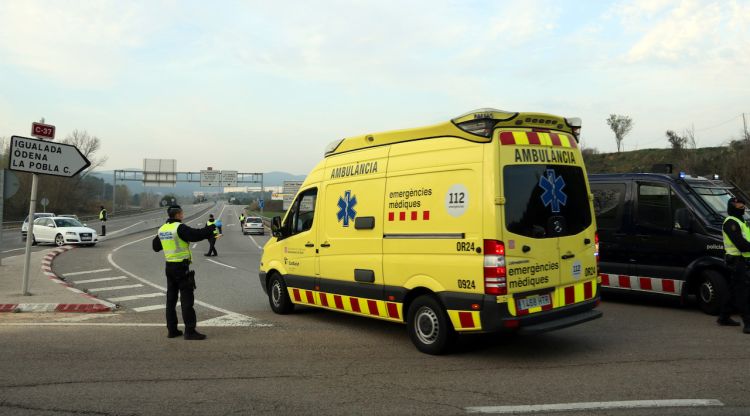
174,333
727,321
746,329
193,335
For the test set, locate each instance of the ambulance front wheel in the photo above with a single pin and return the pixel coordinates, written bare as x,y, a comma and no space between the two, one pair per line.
278,296
429,327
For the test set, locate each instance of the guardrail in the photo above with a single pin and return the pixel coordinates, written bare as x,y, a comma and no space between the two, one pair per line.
16,225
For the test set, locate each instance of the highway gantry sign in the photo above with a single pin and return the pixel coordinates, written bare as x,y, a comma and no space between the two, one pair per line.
210,178
45,158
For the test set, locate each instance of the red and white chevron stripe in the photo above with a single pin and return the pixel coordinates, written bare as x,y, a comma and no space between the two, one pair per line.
643,284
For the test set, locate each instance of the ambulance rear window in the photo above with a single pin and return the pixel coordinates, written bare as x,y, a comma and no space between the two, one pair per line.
545,201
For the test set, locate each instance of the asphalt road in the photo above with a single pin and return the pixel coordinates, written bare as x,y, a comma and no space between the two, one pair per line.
319,362
13,245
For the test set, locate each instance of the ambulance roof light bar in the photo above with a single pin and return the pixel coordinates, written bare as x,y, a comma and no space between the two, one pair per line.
332,146
575,125
481,121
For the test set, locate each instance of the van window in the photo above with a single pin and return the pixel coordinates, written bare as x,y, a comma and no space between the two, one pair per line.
545,201
302,212
653,209
609,202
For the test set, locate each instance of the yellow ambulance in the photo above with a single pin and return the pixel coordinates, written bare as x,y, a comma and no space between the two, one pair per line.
482,223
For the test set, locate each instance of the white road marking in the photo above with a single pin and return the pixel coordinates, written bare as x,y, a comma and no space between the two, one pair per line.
123,229
101,279
85,272
256,243
152,307
251,321
195,245
15,249
562,407
221,264
134,297
105,289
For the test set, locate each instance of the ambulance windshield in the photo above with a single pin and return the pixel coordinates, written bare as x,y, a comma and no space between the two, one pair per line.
545,201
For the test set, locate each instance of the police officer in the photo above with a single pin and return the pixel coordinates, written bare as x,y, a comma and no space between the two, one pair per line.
174,238
103,219
242,220
213,237
737,248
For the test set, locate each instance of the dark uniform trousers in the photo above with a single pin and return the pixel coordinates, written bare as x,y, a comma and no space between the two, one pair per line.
211,247
179,284
739,289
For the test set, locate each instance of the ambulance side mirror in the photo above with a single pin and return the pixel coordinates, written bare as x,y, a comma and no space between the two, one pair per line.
276,226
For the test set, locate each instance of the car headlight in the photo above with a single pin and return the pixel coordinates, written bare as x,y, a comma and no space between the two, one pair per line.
71,233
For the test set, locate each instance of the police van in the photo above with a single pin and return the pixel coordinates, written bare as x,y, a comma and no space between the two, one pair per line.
660,233
482,223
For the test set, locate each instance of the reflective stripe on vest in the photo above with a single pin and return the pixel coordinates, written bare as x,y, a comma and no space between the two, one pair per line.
210,223
175,248
729,247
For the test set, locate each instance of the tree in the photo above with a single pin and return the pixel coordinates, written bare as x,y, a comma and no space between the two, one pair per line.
674,139
88,145
621,126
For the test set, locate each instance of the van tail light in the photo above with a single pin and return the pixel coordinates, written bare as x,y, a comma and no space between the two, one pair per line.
596,250
495,282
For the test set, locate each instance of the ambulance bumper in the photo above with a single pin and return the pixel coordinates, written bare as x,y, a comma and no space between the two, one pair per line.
495,317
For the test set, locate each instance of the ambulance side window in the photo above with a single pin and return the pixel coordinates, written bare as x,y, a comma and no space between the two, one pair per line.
609,201
302,214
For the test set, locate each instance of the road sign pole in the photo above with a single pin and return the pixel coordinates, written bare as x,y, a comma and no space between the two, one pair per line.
29,235
262,197
114,188
2,193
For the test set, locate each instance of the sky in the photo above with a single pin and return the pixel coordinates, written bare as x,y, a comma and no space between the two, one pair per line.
259,86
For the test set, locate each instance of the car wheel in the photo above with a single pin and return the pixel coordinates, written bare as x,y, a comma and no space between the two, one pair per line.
33,240
429,327
59,240
712,291
278,296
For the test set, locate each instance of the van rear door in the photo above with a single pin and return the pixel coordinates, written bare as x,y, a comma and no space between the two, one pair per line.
546,210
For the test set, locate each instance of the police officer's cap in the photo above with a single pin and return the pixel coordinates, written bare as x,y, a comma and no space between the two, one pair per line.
173,210
737,200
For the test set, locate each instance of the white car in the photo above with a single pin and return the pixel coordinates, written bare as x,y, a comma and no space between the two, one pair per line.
253,225
61,231
25,225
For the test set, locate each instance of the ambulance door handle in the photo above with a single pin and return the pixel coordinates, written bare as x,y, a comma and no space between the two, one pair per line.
309,245
326,244
568,256
525,249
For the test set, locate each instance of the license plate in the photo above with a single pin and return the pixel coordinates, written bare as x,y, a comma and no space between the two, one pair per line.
534,302
85,238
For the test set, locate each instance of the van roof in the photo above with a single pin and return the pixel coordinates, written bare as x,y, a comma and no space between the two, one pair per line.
475,126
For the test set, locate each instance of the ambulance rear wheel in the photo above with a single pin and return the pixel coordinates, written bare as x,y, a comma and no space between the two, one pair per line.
429,327
278,296
712,290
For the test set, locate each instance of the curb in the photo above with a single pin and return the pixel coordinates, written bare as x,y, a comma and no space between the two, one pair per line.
100,306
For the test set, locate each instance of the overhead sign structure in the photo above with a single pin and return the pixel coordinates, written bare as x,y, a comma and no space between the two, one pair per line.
290,190
43,131
229,178
159,172
210,178
45,158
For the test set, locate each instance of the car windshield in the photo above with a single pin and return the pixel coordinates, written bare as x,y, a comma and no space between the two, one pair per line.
67,222
715,201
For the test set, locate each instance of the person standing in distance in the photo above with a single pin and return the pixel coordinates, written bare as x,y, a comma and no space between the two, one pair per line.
174,238
212,239
737,256
103,219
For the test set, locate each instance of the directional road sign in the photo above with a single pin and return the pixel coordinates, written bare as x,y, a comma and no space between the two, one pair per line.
210,178
261,204
43,157
43,131
229,178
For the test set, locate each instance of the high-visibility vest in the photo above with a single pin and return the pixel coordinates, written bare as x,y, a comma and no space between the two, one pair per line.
242,217
175,249
209,223
729,247
102,213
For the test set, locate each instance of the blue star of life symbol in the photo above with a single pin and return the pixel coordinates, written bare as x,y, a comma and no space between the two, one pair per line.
553,190
346,208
